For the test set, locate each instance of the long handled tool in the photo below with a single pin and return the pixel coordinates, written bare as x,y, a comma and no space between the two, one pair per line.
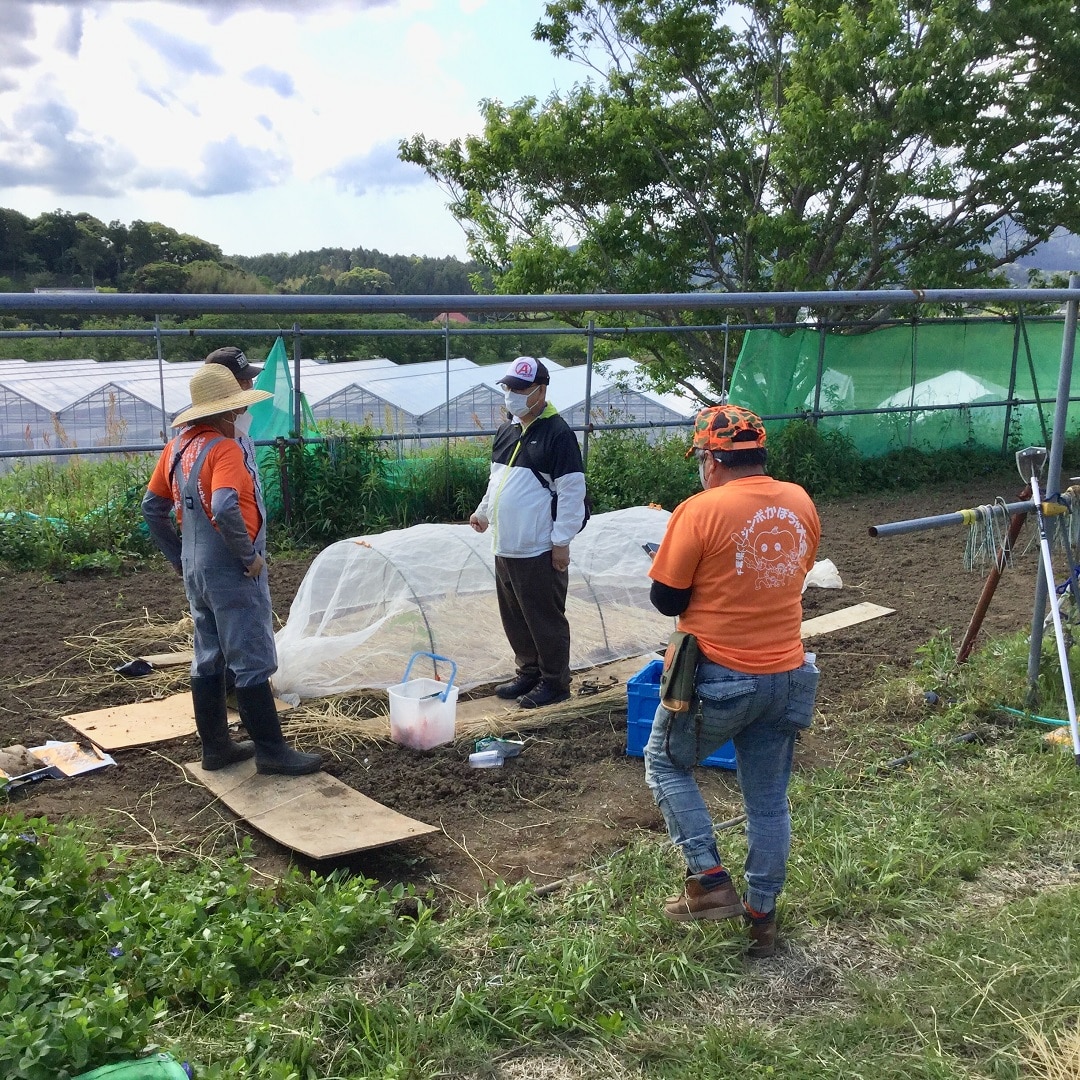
1030,463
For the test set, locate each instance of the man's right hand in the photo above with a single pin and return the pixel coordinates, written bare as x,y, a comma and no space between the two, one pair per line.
255,567
480,524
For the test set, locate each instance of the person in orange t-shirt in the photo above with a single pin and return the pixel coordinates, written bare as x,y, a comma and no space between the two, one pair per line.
202,479
731,567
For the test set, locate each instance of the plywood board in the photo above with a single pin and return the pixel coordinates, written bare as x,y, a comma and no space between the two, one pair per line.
317,815
137,725
143,723
169,659
838,620
490,707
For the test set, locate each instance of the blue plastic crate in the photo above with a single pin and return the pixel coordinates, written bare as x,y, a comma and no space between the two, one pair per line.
642,698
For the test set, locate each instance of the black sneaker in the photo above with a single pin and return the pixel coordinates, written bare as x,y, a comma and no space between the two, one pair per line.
544,694
514,689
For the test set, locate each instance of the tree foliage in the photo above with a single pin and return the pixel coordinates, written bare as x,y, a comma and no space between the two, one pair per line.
780,145
60,248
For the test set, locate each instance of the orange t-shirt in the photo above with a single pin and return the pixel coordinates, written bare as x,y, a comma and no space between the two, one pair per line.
223,468
744,548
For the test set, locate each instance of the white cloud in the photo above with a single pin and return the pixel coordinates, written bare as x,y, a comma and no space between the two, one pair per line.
178,52
379,169
254,123
46,147
280,82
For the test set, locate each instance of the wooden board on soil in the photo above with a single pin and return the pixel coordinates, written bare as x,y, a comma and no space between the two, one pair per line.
142,723
838,620
317,815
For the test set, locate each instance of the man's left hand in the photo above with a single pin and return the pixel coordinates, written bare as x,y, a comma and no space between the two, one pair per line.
560,557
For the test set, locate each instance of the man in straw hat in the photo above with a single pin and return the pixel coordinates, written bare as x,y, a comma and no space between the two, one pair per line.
731,567
221,555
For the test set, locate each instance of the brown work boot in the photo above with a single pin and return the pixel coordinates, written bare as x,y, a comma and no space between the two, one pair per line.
762,933
704,896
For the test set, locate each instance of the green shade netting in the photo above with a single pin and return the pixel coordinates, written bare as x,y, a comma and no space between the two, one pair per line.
959,363
276,417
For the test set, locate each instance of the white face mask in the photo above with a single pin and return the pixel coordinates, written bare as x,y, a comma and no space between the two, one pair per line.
701,472
242,423
518,404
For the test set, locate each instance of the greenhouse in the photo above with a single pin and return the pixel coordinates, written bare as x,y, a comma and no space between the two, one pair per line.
87,403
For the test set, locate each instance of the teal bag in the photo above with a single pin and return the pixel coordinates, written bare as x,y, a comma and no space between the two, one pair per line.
152,1067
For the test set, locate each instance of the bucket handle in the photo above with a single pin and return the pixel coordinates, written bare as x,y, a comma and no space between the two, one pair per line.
443,659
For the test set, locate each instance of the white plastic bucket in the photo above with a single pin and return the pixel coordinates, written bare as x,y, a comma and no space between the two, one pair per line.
423,711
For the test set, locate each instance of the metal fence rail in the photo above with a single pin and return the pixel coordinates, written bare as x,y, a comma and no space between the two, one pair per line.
39,307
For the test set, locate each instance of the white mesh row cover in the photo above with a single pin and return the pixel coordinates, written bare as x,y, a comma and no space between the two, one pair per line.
366,605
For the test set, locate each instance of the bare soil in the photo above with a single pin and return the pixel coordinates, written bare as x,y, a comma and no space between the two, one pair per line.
570,798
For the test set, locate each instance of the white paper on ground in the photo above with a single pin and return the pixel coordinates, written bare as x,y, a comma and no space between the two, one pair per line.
824,575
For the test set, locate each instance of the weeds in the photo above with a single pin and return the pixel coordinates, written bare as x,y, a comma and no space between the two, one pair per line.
930,919
85,516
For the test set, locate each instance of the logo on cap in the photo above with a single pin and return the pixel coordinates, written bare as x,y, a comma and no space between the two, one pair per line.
524,368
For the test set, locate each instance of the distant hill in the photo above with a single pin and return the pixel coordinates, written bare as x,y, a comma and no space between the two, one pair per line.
1060,254
60,249
360,270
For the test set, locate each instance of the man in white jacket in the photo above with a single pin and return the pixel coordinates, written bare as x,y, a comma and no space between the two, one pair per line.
535,505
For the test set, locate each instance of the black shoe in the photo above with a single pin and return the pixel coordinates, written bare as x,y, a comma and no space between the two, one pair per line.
521,685
544,694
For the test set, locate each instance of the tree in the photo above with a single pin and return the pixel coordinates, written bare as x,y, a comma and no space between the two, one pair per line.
14,242
820,144
151,242
363,282
53,237
92,248
160,277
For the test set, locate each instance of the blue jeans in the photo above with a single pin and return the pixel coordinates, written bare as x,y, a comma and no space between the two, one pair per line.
761,714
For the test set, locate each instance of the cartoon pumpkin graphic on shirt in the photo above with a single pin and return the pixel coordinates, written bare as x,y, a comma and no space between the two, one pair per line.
772,546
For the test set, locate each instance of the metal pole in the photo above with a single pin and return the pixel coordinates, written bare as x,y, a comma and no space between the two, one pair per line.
1055,608
446,358
297,399
914,372
587,419
161,380
727,334
1012,380
969,516
1053,480
820,372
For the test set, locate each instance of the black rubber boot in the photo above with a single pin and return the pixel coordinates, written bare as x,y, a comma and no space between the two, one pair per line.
212,724
272,753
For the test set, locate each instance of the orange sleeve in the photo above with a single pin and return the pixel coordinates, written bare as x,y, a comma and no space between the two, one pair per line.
226,469
159,479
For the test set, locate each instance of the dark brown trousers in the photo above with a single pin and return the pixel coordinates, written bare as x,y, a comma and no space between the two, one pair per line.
532,604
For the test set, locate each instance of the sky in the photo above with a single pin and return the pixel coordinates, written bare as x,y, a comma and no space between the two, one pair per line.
257,125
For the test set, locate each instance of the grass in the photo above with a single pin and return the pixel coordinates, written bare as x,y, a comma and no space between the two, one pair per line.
931,925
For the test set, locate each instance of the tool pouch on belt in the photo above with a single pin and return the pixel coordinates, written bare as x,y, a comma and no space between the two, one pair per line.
680,667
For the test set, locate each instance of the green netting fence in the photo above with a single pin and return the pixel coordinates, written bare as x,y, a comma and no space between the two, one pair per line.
927,385
276,418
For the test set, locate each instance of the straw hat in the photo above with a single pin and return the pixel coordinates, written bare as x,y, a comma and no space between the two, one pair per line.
214,390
